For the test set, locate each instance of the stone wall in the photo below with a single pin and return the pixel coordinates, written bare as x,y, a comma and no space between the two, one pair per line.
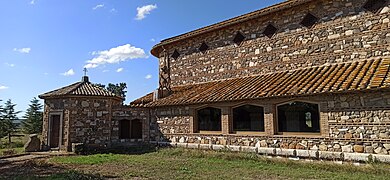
130,113
354,122
345,32
85,120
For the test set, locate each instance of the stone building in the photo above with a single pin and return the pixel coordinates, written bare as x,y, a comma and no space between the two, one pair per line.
304,78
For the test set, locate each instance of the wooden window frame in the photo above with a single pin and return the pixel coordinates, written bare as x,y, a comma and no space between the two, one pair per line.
299,134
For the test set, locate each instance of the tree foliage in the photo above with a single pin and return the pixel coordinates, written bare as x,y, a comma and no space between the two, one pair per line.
118,89
33,118
8,119
3,126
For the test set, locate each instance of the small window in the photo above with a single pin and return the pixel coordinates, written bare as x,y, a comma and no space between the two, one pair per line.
175,54
209,119
270,30
248,118
124,129
239,38
203,47
309,20
298,117
136,129
374,5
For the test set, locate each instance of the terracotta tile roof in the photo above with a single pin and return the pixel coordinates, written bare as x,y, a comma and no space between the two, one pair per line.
83,88
343,77
239,19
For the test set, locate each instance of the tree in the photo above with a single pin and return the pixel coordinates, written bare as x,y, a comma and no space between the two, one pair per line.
3,127
118,89
9,116
33,118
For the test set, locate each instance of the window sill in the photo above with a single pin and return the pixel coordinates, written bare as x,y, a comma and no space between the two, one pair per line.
297,134
209,132
248,133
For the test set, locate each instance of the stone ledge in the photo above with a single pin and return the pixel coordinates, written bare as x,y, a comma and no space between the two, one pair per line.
291,153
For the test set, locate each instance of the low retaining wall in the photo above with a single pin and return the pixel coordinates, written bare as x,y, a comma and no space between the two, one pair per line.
294,153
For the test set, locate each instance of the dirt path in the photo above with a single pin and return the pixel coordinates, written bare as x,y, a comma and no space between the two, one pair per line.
30,164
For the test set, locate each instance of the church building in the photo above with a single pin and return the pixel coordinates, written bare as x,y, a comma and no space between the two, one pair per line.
302,78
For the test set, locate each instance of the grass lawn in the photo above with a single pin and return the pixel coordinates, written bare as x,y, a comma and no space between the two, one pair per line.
16,145
196,164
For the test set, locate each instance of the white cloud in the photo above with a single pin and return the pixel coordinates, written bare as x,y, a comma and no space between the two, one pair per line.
45,73
153,40
144,10
23,50
113,10
32,2
106,70
149,76
70,72
119,70
98,6
115,55
3,87
9,65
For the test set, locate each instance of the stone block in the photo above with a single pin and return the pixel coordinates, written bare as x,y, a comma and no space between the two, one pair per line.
329,155
381,158
266,151
193,146
285,152
233,148
358,148
356,157
33,144
218,147
306,153
205,146
181,145
347,148
249,149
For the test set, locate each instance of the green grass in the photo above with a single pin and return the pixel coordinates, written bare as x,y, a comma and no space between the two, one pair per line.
193,164
17,141
16,146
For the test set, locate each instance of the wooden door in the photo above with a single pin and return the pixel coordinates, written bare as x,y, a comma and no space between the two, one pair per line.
55,131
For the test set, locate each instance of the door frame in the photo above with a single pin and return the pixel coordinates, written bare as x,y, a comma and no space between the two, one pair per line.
60,113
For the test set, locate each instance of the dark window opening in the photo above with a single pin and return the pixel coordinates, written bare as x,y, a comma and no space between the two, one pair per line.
270,30
239,38
175,54
209,119
248,118
136,129
298,117
203,47
374,5
309,20
124,129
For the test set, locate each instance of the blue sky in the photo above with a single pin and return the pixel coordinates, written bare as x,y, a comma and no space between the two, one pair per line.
44,44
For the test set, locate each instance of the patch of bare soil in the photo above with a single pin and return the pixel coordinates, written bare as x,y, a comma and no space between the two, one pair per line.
34,168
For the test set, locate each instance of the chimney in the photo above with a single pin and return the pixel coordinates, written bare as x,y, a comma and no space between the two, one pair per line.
85,79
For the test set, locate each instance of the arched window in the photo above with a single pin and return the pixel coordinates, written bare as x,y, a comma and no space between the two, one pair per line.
209,119
298,117
248,118
124,129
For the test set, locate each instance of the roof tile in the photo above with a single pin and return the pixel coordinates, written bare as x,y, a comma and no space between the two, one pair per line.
343,77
